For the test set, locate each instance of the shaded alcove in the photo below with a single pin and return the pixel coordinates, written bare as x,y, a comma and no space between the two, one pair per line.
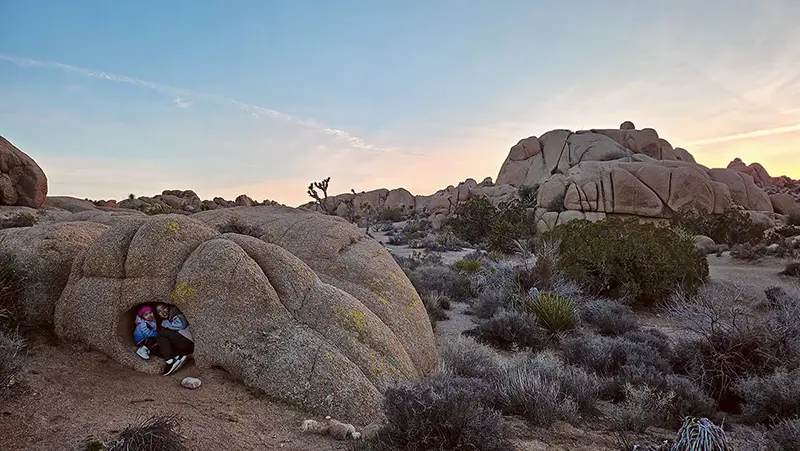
124,332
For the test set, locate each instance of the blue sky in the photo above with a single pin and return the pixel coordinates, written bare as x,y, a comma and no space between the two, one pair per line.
262,97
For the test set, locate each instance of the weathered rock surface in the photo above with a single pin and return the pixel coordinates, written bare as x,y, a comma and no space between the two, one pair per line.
314,313
43,256
785,204
22,181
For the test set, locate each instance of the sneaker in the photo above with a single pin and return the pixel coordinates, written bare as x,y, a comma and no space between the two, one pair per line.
168,366
143,352
178,363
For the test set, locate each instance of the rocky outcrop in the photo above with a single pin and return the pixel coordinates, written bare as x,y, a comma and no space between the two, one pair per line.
42,257
623,172
22,181
183,202
304,307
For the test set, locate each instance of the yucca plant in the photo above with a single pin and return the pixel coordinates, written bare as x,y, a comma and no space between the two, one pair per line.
700,435
554,312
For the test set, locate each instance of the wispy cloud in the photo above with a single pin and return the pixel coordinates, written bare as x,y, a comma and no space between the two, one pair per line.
747,135
182,104
180,93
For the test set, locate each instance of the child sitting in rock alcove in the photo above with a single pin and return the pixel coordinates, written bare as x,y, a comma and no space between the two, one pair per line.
171,340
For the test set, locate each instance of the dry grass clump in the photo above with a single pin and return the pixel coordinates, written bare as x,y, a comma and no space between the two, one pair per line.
157,433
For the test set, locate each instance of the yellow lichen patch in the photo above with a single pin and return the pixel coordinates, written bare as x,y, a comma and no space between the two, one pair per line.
183,290
383,300
174,226
333,268
376,369
329,356
355,320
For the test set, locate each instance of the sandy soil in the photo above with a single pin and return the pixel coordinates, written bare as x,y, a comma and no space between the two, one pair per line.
64,395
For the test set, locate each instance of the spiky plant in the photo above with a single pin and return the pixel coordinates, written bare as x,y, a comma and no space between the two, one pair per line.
554,312
700,435
157,433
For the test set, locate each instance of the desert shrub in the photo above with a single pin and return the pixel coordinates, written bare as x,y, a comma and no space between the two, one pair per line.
749,252
157,433
791,269
465,357
11,347
653,339
785,435
236,225
776,396
688,400
511,329
700,435
794,219
724,344
607,356
433,305
415,414
731,227
478,221
468,264
543,389
491,302
418,259
555,313
644,406
608,317
629,259
776,296
11,284
427,279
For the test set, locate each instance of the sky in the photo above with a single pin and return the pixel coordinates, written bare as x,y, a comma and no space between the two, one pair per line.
264,96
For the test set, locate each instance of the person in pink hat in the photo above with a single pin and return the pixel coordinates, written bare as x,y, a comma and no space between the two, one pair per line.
146,332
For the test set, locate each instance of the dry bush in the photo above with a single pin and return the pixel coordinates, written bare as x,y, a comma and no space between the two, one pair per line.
434,302
608,317
543,389
643,407
157,433
511,329
785,435
769,398
465,357
440,413
441,279
791,270
725,344
11,347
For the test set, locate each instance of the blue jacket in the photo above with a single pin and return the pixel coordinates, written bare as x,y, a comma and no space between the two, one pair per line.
144,329
179,323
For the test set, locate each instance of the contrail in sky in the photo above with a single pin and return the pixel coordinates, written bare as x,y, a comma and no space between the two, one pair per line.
181,94
748,135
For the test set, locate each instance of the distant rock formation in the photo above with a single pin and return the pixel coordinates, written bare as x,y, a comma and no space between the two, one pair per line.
593,173
22,181
784,187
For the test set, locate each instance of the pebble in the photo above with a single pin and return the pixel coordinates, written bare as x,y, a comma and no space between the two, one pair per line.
191,382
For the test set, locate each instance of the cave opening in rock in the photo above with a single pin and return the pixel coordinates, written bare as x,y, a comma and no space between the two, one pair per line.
178,332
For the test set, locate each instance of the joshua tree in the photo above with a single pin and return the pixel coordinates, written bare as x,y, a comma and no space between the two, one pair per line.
322,186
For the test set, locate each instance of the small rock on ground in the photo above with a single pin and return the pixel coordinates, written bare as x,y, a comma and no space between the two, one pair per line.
191,382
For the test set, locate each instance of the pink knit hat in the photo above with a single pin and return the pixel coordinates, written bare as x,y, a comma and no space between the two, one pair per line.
145,308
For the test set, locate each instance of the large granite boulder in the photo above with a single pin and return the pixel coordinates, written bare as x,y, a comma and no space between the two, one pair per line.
22,181
42,257
301,305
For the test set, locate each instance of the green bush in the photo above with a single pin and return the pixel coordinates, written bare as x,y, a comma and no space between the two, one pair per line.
468,264
629,259
731,227
556,313
450,283
477,221
465,357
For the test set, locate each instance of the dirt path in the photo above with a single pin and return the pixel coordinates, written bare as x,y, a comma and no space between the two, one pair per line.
64,395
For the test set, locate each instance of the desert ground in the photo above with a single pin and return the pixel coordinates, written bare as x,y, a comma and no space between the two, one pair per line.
65,395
